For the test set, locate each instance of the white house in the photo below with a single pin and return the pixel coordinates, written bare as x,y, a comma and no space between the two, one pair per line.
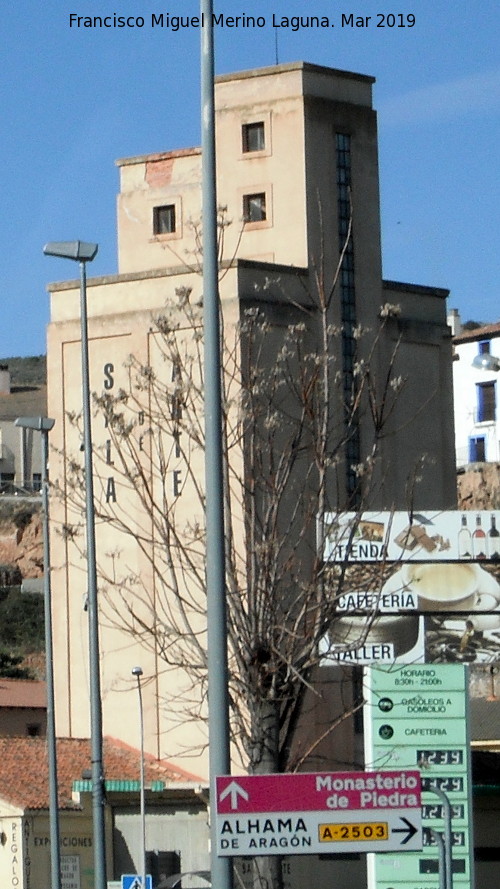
477,417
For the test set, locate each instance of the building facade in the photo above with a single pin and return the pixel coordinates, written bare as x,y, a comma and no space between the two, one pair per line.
20,449
477,420
23,705
173,799
300,222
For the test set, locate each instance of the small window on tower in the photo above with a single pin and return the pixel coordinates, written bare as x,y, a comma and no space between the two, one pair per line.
254,207
253,137
164,220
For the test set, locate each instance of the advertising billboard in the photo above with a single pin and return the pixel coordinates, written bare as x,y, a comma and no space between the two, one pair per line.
412,590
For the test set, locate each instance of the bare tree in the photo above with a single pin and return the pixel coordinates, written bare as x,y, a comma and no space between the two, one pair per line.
287,420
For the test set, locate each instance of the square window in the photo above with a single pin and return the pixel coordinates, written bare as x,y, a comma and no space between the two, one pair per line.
253,137
254,207
164,220
484,347
33,729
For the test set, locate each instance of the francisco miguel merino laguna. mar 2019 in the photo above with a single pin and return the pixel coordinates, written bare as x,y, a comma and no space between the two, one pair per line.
220,20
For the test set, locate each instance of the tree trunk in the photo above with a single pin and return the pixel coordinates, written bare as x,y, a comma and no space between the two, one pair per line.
267,870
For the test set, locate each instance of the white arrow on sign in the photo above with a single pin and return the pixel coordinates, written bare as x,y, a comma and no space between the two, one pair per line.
234,790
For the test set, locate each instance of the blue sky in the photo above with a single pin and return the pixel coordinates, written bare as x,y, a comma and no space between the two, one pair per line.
74,100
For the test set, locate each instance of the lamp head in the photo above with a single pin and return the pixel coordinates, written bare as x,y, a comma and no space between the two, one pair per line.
136,671
80,251
42,424
485,361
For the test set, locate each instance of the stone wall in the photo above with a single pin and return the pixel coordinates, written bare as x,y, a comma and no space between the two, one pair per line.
479,486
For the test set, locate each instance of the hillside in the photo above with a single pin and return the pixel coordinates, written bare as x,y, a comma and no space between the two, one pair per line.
27,371
21,541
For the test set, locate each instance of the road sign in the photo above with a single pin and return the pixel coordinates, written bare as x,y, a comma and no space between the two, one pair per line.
134,881
416,716
316,813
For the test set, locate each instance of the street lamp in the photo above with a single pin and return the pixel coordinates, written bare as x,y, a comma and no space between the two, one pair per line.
137,672
44,425
83,252
485,361
218,691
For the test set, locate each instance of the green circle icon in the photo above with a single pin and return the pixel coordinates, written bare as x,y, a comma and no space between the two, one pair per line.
386,731
385,704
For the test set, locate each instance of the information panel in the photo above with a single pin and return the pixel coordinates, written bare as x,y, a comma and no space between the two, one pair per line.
417,716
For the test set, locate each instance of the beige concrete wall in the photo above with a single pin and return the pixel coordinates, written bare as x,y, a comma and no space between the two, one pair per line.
278,104
145,183
126,568
76,849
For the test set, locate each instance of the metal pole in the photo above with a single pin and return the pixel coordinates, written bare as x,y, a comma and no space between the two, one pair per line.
448,850
442,858
218,697
94,666
137,672
55,853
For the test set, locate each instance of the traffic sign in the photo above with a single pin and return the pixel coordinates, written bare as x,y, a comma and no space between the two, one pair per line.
314,813
134,881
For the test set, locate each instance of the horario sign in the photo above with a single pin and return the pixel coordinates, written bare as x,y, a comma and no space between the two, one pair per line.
315,813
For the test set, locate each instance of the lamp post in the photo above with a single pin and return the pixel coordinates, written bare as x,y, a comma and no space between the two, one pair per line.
137,672
82,252
44,425
218,693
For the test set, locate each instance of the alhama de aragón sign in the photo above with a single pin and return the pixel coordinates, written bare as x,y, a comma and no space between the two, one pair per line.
318,813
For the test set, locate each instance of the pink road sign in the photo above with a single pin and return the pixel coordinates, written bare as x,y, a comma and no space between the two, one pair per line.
318,791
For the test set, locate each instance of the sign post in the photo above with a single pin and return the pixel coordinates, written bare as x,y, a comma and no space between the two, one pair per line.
318,813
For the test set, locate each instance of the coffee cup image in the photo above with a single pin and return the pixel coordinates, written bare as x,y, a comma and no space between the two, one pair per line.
452,586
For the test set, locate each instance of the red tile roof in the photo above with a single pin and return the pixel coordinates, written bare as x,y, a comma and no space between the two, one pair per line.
28,693
24,769
478,333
